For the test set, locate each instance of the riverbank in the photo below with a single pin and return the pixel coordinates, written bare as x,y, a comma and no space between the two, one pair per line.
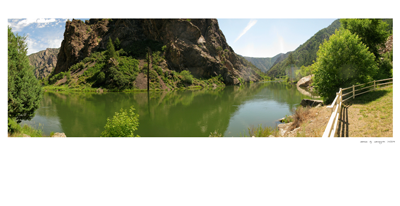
65,88
368,115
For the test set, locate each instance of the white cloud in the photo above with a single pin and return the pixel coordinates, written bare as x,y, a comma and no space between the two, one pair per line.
249,25
18,24
32,46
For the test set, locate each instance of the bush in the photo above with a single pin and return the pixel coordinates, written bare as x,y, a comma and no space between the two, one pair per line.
342,61
123,124
186,76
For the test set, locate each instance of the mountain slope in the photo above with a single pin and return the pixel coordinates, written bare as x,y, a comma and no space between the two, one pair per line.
196,45
264,64
44,62
306,53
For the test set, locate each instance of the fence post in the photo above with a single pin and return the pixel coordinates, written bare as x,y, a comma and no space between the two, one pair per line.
353,92
374,85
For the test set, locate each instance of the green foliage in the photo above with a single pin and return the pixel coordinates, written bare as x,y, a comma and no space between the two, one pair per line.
110,50
262,131
287,119
385,66
16,130
117,44
187,76
101,77
372,32
24,90
241,81
342,61
123,124
163,48
56,77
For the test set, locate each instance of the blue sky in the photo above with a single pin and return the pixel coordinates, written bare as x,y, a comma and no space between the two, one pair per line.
247,37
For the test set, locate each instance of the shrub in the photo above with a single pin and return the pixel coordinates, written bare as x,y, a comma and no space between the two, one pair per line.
186,76
341,62
123,124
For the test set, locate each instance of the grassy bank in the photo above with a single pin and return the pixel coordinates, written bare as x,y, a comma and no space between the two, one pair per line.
369,115
16,130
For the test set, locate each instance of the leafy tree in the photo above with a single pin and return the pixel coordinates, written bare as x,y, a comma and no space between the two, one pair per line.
24,91
117,43
373,32
123,124
342,61
110,50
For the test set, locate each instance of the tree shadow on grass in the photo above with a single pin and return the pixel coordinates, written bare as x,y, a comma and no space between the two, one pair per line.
367,97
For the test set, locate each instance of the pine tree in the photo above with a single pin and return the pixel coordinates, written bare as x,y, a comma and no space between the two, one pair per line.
117,44
110,50
24,90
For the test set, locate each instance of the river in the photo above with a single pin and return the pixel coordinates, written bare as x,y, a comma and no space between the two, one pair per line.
230,110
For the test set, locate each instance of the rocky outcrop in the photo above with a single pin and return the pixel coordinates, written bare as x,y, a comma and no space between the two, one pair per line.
388,45
44,62
305,81
58,134
197,45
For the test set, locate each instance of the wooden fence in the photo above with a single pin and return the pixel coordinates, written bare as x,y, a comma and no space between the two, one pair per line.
336,105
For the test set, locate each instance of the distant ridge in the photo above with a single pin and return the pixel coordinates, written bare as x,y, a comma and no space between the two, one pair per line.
306,53
263,63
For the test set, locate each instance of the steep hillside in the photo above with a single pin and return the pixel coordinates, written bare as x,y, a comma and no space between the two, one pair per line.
306,53
196,45
264,64
44,62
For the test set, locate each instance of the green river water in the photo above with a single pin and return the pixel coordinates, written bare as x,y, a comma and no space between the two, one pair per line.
230,110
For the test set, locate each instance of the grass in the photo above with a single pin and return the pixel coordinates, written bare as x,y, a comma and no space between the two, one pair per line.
370,114
19,131
260,131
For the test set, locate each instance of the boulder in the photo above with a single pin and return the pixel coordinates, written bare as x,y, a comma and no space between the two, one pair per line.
283,128
58,134
311,102
305,81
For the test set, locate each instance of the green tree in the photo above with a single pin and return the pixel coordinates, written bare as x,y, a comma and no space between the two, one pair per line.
117,43
110,50
24,90
342,61
373,32
123,124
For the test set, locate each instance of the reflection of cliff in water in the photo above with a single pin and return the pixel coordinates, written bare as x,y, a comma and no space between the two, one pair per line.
177,113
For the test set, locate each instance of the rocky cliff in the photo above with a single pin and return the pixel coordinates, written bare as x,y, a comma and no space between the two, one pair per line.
44,62
197,45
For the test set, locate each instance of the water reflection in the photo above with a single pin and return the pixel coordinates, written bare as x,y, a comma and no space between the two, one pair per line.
229,110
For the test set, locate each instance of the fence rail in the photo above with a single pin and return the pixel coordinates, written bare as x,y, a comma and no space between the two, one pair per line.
330,129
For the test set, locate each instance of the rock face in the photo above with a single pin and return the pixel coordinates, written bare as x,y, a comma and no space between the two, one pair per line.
197,45
44,62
